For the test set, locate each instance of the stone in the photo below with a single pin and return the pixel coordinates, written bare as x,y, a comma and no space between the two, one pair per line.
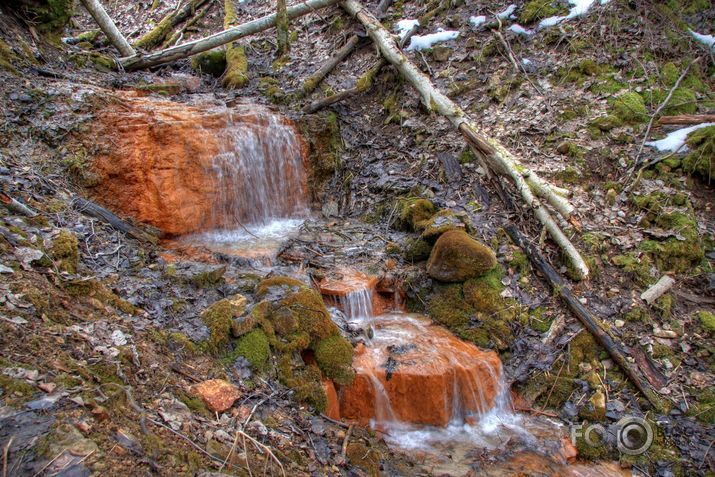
160,166
219,395
441,53
457,257
420,376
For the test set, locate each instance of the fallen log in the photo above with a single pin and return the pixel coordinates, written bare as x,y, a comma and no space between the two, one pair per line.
167,25
178,35
686,119
560,288
191,48
363,83
493,153
97,211
108,27
314,80
14,205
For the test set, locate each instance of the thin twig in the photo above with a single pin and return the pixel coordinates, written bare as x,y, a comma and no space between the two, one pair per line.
637,163
49,463
5,452
346,441
187,439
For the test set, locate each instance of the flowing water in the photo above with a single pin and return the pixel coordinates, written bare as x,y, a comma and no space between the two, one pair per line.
260,182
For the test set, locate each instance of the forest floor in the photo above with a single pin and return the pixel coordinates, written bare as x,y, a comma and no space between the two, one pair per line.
100,332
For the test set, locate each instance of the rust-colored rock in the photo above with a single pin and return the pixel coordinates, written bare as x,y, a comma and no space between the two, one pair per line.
158,159
424,374
219,395
332,409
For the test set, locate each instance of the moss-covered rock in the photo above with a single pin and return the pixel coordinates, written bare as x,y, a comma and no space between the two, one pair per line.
457,257
701,158
417,250
50,16
606,123
95,289
413,212
629,107
212,62
304,380
683,101
65,252
335,356
679,253
219,318
287,296
254,347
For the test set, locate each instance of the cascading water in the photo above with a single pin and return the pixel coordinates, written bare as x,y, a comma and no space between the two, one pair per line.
260,183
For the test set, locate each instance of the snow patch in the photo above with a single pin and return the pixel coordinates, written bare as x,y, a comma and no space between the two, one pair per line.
478,20
579,9
404,26
675,141
422,42
707,40
520,30
526,61
507,13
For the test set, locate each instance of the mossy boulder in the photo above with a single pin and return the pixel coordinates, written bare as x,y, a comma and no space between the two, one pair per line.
220,319
701,158
606,123
305,380
48,16
683,101
629,107
287,298
255,348
413,212
334,356
457,257
65,251
212,63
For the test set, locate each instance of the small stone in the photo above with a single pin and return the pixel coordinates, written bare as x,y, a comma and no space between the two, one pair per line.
621,214
47,387
6,269
585,367
118,338
441,53
669,334
100,413
619,323
219,395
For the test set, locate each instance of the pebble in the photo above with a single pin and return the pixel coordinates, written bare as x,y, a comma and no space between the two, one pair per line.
670,334
619,323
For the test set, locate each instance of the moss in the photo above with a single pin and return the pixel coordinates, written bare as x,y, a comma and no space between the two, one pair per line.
606,84
701,158
254,347
305,380
413,212
365,458
499,87
441,222
288,295
209,278
467,156
588,451
707,321
236,74
669,74
538,321
8,58
335,356
704,408
65,252
15,391
195,403
95,289
636,264
629,107
683,101
536,10
212,62
219,319
323,134
417,250
638,314
577,72
448,306
51,16
678,254
570,149
177,341
484,293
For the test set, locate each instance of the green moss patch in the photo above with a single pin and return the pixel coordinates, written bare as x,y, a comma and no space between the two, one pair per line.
457,257
536,10
65,252
629,107
212,62
219,318
701,158
413,213
236,74
254,347
335,357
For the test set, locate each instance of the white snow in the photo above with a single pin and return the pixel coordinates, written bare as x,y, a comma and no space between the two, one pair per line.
520,30
675,141
507,13
526,61
404,26
478,20
426,41
579,8
707,40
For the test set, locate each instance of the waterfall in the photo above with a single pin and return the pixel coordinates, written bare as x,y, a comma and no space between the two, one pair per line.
259,172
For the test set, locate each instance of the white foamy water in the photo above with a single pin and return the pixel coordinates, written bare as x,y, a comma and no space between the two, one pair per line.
253,240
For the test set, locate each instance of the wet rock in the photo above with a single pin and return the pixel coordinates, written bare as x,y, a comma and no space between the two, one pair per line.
219,395
457,257
423,378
